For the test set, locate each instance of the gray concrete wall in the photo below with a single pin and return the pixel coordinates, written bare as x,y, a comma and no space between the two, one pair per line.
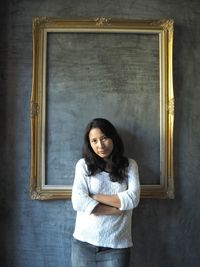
37,234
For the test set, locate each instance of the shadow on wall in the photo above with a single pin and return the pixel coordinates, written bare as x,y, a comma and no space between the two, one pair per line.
8,143
4,210
136,148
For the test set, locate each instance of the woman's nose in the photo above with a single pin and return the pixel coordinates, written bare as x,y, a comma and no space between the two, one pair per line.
101,144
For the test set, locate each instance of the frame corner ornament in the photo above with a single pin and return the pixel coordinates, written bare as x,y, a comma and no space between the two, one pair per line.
34,193
37,194
166,24
39,22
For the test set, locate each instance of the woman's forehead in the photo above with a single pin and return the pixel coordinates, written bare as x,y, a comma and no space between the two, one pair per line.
95,133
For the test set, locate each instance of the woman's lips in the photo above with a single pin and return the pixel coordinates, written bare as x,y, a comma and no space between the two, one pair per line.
102,151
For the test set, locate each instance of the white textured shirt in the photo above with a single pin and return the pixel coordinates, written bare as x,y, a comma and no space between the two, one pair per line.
112,231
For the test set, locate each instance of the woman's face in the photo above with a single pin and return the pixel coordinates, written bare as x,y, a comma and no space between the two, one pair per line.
100,143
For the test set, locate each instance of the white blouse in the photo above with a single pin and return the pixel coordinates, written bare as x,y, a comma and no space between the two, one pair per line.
112,231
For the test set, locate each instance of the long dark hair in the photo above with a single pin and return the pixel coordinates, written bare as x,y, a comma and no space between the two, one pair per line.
116,163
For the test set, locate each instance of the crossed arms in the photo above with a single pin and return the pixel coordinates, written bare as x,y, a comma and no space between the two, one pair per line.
108,205
104,204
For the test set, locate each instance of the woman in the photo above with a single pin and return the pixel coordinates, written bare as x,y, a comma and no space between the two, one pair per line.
105,191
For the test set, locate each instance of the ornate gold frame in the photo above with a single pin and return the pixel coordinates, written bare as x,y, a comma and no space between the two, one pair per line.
43,25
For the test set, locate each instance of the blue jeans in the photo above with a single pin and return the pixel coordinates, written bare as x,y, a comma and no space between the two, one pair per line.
86,255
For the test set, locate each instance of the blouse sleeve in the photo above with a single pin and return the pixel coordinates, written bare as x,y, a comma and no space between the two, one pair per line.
130,198
81,200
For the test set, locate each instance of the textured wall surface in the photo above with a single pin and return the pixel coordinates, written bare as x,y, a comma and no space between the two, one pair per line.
114,76
37,234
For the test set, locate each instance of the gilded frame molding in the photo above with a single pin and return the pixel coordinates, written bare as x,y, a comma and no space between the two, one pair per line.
43,25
